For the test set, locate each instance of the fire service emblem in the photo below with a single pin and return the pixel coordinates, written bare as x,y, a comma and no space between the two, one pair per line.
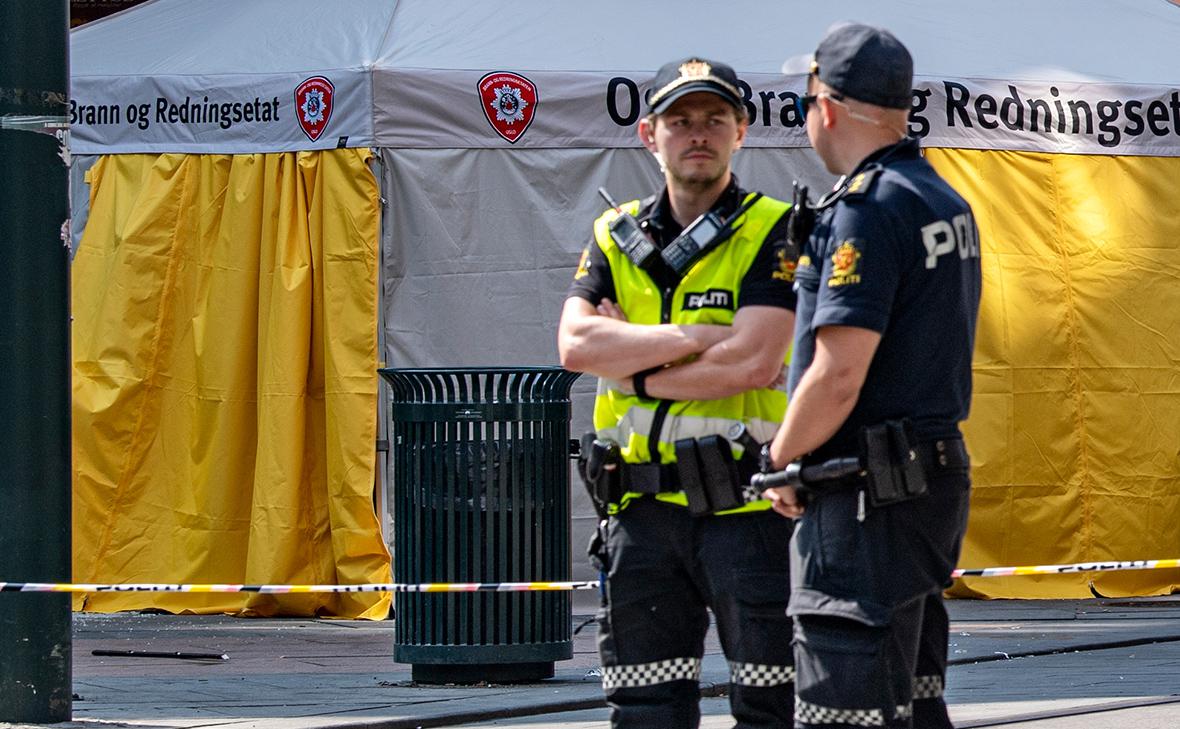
313,106
509,102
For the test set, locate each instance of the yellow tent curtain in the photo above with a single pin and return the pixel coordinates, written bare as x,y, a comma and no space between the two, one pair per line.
225,391
225,386
1076,413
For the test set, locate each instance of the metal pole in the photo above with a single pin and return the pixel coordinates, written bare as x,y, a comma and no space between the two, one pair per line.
35,640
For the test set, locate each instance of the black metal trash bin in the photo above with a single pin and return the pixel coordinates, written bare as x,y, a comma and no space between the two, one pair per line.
481,494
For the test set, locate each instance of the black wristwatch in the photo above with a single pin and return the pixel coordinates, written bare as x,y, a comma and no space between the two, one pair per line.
639,382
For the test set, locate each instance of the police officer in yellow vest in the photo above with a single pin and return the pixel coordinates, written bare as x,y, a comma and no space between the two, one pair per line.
682,305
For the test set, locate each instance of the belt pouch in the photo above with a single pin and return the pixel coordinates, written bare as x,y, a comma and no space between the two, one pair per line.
888,455
720,473
688,468
905,453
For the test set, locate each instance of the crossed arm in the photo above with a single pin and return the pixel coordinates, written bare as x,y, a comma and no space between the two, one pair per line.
722,360
821,401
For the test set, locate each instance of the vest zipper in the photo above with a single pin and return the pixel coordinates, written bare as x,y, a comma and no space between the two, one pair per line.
661,414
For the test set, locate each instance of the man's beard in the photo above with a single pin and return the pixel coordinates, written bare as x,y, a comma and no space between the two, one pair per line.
699,180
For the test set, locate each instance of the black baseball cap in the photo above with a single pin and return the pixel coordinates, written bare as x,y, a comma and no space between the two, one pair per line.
866,63
686,76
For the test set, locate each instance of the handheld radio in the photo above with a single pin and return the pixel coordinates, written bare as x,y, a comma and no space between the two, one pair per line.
629,237
701,236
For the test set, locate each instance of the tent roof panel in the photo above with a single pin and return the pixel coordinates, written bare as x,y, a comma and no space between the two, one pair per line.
1130,41
1127,41
214,37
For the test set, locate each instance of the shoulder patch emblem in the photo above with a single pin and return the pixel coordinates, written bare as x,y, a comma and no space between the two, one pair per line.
844,265
786,267
583,264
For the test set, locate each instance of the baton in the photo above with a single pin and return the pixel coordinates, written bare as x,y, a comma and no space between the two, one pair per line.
807,477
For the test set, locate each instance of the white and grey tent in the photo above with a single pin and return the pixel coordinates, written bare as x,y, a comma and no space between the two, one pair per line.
264,191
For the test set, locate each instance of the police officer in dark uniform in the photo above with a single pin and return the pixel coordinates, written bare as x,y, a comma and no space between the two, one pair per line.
888,285
687,325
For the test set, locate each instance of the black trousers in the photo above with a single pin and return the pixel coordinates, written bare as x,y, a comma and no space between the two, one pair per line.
870,624
665,569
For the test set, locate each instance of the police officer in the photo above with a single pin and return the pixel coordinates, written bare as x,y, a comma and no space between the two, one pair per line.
688,341
888,286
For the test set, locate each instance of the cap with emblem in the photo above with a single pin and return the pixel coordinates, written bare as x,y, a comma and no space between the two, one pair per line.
679,78
866,63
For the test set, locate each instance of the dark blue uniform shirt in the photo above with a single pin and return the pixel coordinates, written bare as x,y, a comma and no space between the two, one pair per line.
897,253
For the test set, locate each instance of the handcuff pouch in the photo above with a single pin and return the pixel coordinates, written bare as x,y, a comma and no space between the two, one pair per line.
721,473
708,474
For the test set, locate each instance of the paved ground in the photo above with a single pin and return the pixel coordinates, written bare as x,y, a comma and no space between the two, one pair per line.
1035,665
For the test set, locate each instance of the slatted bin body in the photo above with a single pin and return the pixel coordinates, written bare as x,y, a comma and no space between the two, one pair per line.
481,494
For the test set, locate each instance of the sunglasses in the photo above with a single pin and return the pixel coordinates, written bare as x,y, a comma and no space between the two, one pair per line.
803,103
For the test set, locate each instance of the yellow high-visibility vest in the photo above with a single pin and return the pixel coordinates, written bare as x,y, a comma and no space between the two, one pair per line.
708,293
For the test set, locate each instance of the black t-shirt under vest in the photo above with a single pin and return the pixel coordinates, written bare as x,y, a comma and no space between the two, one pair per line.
760,286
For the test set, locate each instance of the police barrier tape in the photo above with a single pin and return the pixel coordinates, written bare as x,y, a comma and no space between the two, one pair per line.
1045,569
1062,569
299,589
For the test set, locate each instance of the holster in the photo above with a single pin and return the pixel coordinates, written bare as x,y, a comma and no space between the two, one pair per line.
709,475
598,465
890,458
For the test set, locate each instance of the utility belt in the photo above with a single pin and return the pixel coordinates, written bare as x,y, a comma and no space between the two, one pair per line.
890,468
705,470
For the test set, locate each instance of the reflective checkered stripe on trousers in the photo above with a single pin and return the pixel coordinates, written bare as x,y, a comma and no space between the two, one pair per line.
760,675
927,687
808,713
649,674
